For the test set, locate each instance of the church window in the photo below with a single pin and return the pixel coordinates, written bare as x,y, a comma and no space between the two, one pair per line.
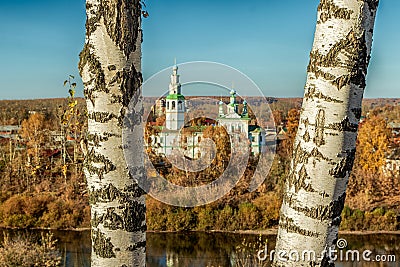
173,105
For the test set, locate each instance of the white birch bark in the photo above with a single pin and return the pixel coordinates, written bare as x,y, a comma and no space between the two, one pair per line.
110,69
324,147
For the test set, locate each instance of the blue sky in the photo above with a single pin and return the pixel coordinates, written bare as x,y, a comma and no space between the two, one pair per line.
267,40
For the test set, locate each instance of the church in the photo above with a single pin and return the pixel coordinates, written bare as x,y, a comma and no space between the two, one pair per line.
171,138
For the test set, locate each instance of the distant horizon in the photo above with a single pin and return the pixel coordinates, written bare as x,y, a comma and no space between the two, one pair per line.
82,97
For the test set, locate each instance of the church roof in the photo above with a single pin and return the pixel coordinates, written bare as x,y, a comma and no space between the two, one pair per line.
175,96
9,128
254,128
232,116
394,125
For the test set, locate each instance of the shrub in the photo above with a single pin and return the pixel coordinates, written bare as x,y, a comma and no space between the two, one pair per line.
248,216
205,218
180,219
13,213
42,210
269,206
379,219
225,219
156,214
22,252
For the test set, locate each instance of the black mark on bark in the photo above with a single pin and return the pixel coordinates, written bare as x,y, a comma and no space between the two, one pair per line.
344,126
107,165
110,193
97,82
328,10
319,128
121,19
306,136
373,4
343,168
102,245
102,117
313,93
289,225
354,48
357,112
137,245
299,181
96,139
323,213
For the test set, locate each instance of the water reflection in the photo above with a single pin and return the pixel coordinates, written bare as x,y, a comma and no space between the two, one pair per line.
200,249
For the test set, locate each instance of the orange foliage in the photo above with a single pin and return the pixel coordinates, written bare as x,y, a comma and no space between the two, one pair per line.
372,144
32,132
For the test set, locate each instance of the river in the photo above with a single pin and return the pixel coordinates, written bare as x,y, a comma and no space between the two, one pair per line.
200,249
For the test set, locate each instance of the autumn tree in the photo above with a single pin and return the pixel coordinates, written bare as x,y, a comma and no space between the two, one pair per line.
291,128
324,147
110,65
278,117
33,133
368,181
71,121
372,144
223,151
160,121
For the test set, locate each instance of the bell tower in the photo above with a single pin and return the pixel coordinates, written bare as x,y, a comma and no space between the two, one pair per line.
175,103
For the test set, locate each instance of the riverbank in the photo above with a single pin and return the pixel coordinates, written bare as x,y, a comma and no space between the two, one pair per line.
271,231
274,231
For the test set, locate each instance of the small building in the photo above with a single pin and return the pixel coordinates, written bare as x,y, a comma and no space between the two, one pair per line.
159,108
392,166
395,127
9,131
57,136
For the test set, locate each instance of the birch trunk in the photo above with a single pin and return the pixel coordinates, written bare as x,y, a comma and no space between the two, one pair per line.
110,69
324,147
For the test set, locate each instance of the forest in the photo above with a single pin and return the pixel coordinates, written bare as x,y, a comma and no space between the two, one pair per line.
43,183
